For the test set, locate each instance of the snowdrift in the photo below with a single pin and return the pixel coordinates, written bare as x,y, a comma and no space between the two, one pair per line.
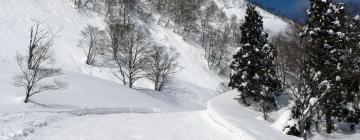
82,91
241,120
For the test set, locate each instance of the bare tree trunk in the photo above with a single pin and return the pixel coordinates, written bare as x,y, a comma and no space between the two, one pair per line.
131,82
264,109
167,23
328,122
27,96
31,48
202,39
89,57
123,75
121,72
156,86
305,135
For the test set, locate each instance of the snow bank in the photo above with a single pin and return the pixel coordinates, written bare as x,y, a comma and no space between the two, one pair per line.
242,120
82,91
193,125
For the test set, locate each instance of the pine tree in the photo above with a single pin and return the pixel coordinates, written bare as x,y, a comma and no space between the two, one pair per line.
354,42
328,60
352,116
253,67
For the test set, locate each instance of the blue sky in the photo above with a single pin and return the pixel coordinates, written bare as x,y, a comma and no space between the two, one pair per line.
290,8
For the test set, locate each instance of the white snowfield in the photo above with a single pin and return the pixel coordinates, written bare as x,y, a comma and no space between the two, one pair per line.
272,23
95,105
169,126
241,120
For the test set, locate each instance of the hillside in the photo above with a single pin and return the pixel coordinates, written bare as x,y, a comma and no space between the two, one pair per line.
94,100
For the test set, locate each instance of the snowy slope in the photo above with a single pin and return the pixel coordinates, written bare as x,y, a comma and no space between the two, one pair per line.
242,120
175,126
272,23
195,83
16,17
82,91
93,91
249,124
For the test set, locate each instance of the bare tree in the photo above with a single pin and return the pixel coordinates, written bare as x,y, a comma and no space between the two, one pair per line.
36,73
217,46
38,37
161,66
132,56
121,11
93,5
92,40
117,33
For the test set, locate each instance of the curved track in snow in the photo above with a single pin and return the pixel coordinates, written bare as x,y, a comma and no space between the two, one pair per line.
193,125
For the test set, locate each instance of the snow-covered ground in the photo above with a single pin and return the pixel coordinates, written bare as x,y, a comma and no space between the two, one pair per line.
94,105
82,91
243,120
168,126
250,125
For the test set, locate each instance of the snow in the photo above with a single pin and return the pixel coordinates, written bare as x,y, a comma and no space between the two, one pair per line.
256,76
90,105
19,125
175,126
93,91
83,91
312,32
16,17
272,23
357,17
338,78
194,67
317,74
95,106
195,83
341,34
242,120
283,120
313,101
245,55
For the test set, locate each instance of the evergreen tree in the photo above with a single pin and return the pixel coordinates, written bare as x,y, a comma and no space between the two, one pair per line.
253,66
328,61
354,42
352,116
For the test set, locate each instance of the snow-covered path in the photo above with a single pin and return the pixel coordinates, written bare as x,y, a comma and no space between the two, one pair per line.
194,125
